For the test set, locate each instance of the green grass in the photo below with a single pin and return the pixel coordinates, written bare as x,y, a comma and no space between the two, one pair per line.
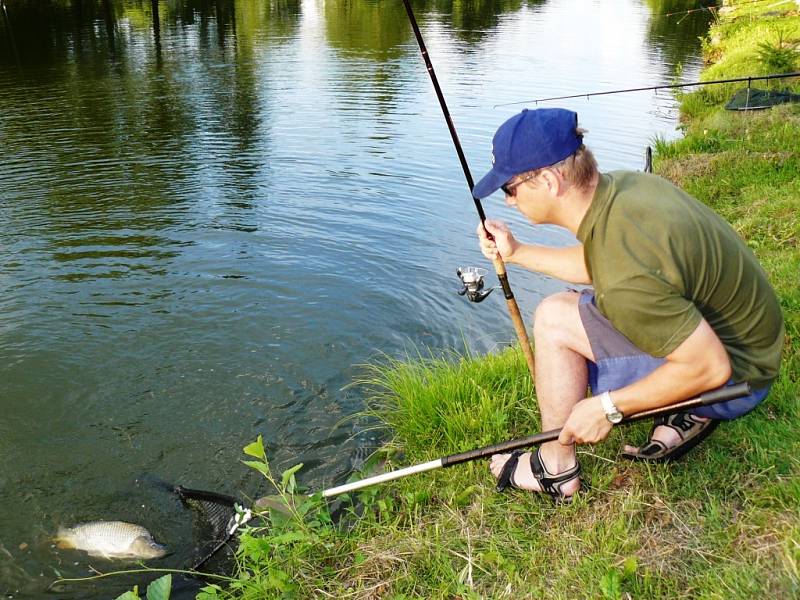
724,523
449,405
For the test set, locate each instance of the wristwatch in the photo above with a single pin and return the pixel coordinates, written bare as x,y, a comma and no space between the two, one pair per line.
613,414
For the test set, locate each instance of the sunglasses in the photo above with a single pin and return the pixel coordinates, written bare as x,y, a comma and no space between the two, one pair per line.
509,189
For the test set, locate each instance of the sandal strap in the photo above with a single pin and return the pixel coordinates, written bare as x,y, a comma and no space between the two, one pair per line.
551,483
653,447
506,476
659,420
681,422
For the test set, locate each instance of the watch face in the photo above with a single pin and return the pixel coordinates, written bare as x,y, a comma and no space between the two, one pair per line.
615,417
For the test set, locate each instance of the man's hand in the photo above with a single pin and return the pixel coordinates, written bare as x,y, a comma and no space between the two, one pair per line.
587,423
503,245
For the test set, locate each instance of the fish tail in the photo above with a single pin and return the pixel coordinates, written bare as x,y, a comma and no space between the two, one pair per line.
63,539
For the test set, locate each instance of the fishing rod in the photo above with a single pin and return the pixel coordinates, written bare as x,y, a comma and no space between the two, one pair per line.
713,7
471,278
748,79
711,397
231,516
7,22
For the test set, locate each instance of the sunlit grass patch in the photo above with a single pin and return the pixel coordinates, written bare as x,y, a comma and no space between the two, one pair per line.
752,41
444,405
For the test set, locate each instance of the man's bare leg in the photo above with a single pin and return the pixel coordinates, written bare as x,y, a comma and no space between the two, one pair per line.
562,348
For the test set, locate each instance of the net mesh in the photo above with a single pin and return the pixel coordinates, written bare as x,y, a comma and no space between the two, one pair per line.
755,99
213,516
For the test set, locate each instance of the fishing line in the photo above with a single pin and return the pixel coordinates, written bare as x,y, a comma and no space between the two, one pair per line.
475,287
748,79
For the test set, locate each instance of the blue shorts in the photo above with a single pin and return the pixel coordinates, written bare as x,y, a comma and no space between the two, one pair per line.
620,363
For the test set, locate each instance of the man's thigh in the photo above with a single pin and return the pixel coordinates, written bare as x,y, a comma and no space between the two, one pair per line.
617,361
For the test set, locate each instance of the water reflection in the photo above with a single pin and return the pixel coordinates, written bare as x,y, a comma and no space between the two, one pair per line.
372,28
375,28
676,27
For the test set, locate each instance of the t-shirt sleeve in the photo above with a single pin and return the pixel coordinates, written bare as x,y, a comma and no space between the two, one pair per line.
650,312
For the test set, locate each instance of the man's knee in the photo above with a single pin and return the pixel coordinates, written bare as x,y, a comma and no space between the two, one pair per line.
557,316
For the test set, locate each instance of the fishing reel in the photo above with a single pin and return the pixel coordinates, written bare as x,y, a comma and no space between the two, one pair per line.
472,283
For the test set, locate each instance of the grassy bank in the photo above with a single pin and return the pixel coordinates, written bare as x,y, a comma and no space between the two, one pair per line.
724,523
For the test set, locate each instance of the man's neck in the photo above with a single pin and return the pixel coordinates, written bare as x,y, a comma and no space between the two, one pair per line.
575,204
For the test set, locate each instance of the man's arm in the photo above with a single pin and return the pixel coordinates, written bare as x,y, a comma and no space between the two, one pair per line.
698,364
566,264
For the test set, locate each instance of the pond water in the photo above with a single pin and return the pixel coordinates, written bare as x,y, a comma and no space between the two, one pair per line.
208,220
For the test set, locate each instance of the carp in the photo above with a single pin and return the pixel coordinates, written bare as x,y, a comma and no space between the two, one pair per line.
110,540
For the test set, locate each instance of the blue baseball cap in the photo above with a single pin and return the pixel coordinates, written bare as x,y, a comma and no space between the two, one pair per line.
530,140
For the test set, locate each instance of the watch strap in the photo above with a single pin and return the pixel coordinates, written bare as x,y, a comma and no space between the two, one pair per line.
608,405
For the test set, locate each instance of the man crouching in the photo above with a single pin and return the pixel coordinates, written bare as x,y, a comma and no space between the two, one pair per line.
678,305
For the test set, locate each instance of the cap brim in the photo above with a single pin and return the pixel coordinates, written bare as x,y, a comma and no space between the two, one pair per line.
490,183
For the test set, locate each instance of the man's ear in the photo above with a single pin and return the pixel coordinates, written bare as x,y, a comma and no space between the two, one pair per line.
552,181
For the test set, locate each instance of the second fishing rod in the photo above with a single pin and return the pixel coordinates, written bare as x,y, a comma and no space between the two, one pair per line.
473,278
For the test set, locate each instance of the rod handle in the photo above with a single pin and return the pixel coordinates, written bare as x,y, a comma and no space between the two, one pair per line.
726,393
722,394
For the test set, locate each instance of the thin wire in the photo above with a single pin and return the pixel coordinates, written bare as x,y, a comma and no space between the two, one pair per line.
657,87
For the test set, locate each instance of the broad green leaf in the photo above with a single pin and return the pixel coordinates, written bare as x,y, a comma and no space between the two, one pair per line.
304,507
287,479
611,585
256,449
258,466
160,588
289,537
208,593
279,579
134,595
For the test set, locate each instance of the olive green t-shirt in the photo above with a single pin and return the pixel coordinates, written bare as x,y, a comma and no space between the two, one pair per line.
660,261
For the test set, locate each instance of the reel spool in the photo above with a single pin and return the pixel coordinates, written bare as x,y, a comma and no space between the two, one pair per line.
472,283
